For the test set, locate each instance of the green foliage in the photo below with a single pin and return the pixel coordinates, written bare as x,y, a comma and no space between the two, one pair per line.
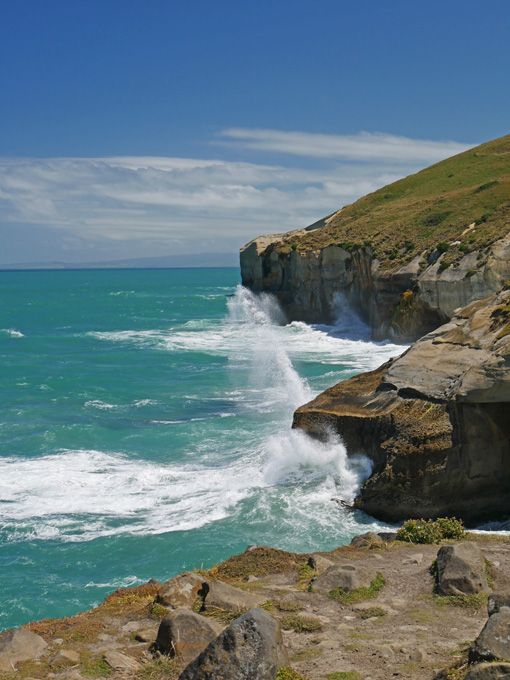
300,624
443,246
345,675
484,187
94,668
374,611
435,218
483,218
286,673
431,531
307,654
293,246
476,601
470,273
360,594
443,266
305,575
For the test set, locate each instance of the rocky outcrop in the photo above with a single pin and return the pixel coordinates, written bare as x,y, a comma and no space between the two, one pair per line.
461,570
434,421
251,647
401,303
185,634
348,577
19,645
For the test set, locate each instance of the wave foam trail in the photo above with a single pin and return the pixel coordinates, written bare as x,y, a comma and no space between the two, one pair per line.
348,324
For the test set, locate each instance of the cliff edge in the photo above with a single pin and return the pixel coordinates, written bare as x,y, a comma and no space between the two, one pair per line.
406,256
435,421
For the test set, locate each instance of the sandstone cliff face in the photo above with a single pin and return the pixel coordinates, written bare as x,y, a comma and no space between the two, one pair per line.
401,303
436,421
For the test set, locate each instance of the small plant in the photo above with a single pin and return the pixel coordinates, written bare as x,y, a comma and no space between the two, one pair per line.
359,594
484,187
482,219
476,601
470,273
345,675
431,531
286,673
305,575
300,624
372,612
443,266
307,654
443,246
293,246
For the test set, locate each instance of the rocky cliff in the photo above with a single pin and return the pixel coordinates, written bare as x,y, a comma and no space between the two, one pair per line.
435,421
405,257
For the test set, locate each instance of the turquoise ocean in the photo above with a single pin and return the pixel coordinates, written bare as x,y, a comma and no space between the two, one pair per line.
145,429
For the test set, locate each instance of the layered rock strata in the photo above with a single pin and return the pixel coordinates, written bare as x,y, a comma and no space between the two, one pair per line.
400,303
435,421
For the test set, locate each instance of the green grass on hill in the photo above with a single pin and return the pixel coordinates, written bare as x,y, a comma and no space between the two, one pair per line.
434,207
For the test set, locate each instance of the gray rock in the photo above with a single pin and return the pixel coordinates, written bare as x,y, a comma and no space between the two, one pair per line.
319,563
147,635
222,596
388,536
496,601
121,662
366,540
494,640
251,647
346,576
19,645
181,591
64,657
185,634
461,570
489,671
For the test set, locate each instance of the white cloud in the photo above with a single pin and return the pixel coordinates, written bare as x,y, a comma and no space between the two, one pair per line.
132,206
361,147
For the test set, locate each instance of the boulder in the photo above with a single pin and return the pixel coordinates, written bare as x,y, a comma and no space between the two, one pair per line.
494,640
222,596
319,563
181,590
64,657
185,634
489,671
121,662
346,576
496,601
367,540
461,570
19,644
251,647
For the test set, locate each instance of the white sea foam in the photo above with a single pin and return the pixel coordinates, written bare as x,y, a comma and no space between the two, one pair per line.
78,495
12,332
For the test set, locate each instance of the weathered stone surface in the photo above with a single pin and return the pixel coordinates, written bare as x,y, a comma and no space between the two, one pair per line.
221,595
461,570
121,662
434,421
496,601
185,634
346,576
251,647
489,671
366,540
494,640
147,634
19,645
181,591
64,657
319,563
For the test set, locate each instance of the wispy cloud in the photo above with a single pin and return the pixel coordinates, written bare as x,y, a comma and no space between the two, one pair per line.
365,146
142,206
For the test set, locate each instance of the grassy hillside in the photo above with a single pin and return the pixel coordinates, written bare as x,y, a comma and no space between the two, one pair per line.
459,205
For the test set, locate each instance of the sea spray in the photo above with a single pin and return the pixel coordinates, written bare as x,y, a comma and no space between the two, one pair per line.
147,418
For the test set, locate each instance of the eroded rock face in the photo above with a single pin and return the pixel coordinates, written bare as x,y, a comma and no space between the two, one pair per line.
223,596
461,570
251,647
435,421
401,303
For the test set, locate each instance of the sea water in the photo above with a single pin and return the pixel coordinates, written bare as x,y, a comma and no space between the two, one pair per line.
146,429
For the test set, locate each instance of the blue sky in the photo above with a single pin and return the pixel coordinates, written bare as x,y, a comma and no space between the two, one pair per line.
163,127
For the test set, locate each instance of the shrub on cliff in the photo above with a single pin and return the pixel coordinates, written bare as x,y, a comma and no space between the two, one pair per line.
431,531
